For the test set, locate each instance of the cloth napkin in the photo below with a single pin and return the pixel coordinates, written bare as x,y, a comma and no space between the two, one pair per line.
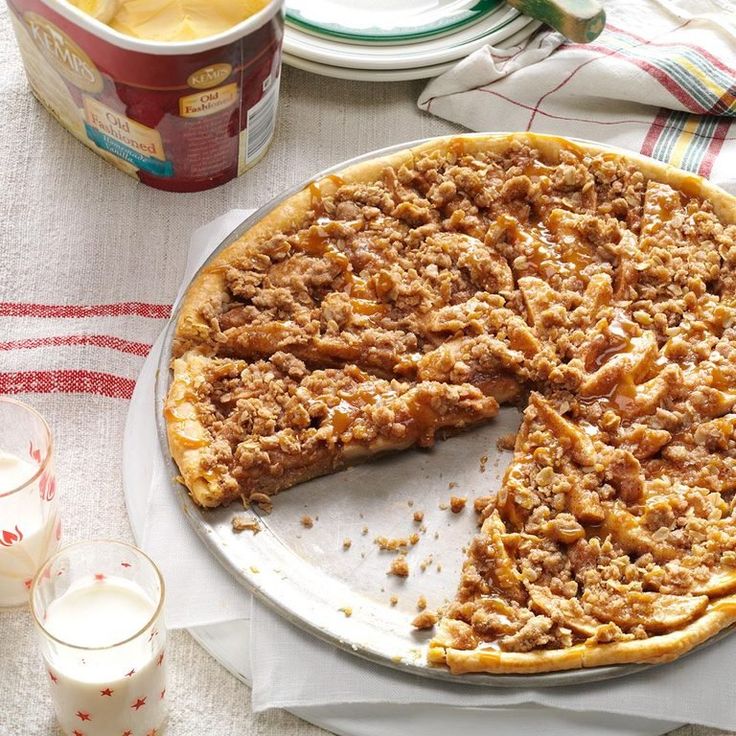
658,80
187,567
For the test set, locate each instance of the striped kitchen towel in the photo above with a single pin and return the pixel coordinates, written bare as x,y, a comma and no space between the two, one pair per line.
93,349
66,336
660,80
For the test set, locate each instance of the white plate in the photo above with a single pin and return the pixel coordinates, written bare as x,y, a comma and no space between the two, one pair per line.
436,51
367,75
386,20
397,75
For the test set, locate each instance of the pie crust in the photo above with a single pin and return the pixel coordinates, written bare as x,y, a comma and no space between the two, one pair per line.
405,297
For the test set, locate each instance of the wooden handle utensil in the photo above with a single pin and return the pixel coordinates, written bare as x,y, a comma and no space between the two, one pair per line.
579,20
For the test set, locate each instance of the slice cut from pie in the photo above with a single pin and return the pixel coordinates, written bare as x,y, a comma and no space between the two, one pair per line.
248,430
582,548
408,296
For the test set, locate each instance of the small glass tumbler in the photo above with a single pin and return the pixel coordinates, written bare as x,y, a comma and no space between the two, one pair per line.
29,525
98,609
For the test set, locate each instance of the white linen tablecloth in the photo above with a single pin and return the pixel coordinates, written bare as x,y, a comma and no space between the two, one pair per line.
89,264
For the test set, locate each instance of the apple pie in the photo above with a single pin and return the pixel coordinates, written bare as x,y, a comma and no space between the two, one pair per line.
406,297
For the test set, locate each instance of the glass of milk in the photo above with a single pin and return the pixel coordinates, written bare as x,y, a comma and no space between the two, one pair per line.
29,524
98,610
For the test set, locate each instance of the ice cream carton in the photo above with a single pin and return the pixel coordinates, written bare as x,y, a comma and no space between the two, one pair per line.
182,116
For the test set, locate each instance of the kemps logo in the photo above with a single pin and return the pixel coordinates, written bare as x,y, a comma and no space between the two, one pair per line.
209,76
64,54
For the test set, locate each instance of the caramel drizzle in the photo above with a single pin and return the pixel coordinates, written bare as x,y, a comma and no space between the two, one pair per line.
617,340
546,256
317,195
622,395
422,419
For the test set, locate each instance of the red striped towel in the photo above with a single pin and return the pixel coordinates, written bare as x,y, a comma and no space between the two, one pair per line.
95,349
660,80
86,349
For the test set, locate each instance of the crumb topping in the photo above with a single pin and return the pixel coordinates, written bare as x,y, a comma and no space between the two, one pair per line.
425,620
242,523
457,503
399,567
506,442
409,307
396,544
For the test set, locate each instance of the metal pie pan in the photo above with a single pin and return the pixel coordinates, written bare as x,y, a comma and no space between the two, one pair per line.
343,598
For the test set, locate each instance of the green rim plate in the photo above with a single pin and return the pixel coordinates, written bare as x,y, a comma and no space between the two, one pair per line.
386,20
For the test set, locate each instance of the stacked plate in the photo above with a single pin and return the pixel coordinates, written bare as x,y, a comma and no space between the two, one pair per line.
386,40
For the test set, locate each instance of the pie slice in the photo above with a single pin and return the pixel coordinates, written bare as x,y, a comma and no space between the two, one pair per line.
249,430
406,297
575,566
343,304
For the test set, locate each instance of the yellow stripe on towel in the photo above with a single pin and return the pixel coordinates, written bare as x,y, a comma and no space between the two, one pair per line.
684,140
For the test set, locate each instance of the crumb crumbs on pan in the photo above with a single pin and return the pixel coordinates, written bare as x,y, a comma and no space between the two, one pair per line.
444,506
421,603
399,567
483,463
364,531
261,500
254,569
425,620
452,484
307,522
396,544
410,502
347,610
457,503
506,441
419,517
439,568
393,600
425,563
347,543
242,523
